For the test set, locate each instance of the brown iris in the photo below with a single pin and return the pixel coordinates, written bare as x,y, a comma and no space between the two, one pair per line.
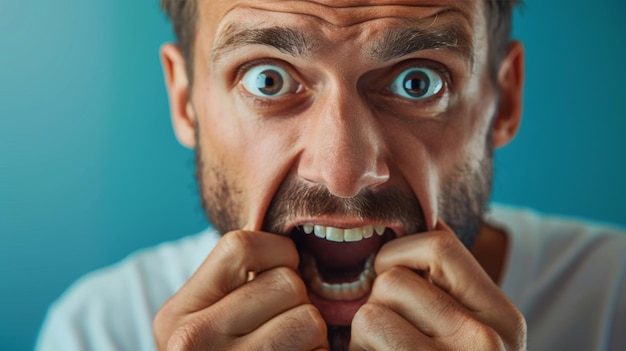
269,82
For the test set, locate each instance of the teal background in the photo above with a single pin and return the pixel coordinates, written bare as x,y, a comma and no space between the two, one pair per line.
90,170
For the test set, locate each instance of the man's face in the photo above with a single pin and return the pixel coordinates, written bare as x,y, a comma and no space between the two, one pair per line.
344,125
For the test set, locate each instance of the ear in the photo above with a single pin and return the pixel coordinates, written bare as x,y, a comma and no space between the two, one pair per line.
511,84
178,90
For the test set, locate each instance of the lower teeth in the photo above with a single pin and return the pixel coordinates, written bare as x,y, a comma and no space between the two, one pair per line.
346,291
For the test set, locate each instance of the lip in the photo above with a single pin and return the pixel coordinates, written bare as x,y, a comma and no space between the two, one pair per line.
338,313
344,223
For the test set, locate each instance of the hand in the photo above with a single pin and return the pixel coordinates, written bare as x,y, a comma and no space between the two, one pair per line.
218,309
451,304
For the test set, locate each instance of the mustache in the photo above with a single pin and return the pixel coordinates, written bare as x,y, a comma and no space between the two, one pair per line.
296,199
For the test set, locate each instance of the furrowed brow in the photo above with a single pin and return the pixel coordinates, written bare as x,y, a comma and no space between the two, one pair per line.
400,42
286,40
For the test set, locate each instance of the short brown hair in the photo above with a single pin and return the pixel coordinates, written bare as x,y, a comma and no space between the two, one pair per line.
500,21
184,17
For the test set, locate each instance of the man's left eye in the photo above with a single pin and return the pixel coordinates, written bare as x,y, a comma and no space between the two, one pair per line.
268,81
417,83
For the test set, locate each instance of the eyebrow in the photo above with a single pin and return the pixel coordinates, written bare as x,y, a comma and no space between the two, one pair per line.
393,44
400,42
286,40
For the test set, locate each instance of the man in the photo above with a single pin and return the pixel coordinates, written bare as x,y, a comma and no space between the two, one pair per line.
344,153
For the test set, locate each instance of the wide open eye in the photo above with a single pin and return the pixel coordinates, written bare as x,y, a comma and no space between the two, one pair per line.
268,81
417,83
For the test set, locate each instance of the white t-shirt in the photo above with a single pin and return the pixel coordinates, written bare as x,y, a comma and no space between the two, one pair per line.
567,277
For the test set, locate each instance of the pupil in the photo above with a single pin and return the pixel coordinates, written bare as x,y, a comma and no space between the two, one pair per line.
269,82
416,84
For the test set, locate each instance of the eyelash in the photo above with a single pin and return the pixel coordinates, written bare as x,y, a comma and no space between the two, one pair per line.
244,68
440,69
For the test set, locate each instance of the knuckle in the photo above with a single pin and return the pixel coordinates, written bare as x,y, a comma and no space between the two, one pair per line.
236,247
367,318
304,326
160,326
286,281
198,335
184,338
373,320
237,243
388,282
444,243
313,321
484,335
165,321
519,330
519,320
310,321
511,326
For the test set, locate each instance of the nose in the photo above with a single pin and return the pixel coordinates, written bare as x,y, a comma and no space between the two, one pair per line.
344,148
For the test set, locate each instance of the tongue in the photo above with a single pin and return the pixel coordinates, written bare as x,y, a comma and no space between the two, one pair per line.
340,256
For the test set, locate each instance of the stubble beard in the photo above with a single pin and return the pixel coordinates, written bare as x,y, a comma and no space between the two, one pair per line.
463,200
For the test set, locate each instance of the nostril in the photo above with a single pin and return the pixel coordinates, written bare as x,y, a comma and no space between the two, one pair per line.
355,185
347,179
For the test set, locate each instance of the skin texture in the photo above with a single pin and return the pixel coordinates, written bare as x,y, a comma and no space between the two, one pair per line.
342,132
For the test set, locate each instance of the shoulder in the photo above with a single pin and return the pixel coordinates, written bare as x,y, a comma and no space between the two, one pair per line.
114,306
565,274
544,237
542,246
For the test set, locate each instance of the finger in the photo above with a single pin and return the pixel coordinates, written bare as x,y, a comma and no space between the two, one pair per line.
421,303
227,267
221,325
248,307
375,327
446,262
299,328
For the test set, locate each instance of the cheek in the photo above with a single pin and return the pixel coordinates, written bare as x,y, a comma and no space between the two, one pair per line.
222,141
435,148
254,153
462,139
417,150
428,153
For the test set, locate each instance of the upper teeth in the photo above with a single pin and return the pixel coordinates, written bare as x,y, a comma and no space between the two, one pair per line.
341,235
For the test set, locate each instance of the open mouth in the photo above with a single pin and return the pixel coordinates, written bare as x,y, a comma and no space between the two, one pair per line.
337,265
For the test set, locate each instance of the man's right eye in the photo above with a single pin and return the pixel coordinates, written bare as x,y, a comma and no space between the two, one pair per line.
268,81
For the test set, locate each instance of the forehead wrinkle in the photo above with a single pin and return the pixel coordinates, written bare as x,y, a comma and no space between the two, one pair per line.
419,33
349,13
